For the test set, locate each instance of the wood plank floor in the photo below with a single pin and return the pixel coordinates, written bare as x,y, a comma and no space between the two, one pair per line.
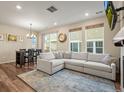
9,82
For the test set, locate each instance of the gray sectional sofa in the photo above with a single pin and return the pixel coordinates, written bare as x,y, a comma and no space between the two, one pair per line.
102,65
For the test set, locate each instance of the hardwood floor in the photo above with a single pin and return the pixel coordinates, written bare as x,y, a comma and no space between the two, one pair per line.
117,83
9,82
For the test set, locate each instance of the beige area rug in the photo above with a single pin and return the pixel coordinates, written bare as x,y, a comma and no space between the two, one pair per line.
66,81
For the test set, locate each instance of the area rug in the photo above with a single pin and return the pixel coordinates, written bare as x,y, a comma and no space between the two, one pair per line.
66,81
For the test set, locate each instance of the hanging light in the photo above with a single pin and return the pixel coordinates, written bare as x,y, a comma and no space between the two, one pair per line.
30,35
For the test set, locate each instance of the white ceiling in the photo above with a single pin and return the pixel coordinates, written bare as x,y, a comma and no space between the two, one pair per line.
35,12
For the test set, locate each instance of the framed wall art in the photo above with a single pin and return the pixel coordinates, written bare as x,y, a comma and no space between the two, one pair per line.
12,37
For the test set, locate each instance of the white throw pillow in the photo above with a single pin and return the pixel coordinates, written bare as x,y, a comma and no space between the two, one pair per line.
58,55
106,60
67,55
55,54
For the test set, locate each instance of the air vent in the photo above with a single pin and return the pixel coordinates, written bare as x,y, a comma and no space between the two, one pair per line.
99,12
52,9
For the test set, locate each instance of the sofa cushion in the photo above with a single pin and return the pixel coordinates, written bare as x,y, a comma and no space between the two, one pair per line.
96,57
97,66
74,62
58,55
79,56
47,56
56,62
67,55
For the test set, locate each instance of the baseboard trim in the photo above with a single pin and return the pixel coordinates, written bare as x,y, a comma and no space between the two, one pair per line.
7,62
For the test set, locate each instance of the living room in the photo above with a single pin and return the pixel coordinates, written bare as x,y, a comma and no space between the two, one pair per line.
42,43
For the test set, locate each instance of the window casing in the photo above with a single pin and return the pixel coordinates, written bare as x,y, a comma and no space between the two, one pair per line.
50,42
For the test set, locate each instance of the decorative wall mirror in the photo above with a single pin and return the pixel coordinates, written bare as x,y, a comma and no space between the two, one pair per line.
62,37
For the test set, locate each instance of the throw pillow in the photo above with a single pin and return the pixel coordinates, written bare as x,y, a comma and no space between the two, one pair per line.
58,55
55,54
106,59
67,55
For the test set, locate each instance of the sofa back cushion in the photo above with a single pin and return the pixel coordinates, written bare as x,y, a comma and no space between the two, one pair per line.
67,55
58,55
47,56
96,57
79,56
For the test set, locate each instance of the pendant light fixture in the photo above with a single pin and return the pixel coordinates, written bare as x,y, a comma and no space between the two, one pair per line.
30,35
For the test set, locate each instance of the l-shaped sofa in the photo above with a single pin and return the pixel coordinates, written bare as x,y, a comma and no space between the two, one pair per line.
102,65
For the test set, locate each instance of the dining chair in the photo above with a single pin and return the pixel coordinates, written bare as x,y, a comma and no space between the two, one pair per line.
30,56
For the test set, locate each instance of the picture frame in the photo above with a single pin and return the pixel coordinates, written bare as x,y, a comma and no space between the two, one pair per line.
11,37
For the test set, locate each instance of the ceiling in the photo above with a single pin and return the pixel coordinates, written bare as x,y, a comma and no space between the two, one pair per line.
35,12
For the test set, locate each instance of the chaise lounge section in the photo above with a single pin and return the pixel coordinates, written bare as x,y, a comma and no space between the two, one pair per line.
102,65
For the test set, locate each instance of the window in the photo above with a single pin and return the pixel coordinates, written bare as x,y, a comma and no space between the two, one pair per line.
34,42
50,42
95,46
53,42
95,40
75,46
90,46
99,46
75,41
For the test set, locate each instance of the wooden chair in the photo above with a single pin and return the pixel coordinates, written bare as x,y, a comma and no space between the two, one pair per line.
25,55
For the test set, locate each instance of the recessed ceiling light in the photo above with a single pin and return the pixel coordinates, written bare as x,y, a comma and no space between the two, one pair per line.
55,23
86,14
18,7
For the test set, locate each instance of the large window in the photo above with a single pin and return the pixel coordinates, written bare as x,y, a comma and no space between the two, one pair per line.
50,42
75,41
34,42
95,40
